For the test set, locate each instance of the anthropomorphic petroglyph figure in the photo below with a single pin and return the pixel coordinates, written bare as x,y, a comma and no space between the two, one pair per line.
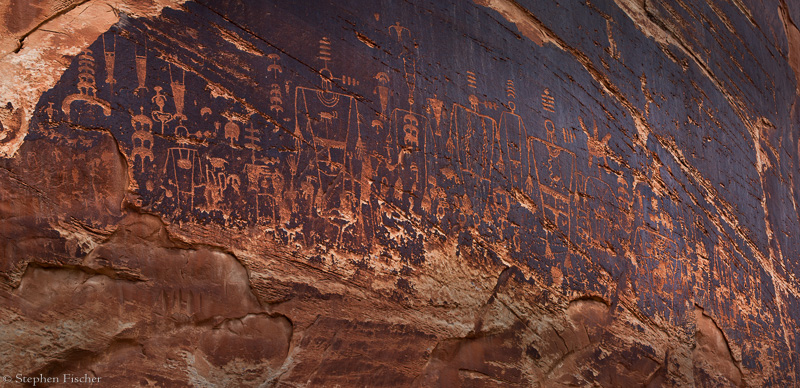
328,121
555,174
410,129
654,251
109,54
408,54
435,105
160,115
600,204
510,156
266,185
183,175
141,68
514,174
383,95
473,133
178,87
218,180
50,111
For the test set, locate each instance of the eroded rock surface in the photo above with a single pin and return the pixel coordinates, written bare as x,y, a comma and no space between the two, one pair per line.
427,193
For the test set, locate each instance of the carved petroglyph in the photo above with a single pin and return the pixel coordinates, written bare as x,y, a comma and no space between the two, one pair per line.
512,156
383,95
218,180
142,139
275,95
598,148
178,87
469,165
183,175
329,122
410,129
253,135
141,68
406,40
401,148
142,148
49,111
551,130
267,184
109,52
160,115
87,89
436,106
555,169
341,178
548,101
232,132
654,250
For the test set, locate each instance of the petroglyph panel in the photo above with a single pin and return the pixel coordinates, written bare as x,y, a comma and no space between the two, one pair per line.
609,162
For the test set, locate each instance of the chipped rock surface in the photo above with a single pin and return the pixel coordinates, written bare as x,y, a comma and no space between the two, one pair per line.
400,193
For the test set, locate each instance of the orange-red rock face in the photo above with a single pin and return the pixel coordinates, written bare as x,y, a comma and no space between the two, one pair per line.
494,193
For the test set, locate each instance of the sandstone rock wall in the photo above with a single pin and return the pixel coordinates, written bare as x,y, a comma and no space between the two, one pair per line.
425,193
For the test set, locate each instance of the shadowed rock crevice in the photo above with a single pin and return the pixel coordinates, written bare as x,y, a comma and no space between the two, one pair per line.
713,361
